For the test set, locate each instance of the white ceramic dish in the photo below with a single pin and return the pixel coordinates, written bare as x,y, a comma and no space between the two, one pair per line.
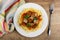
44,24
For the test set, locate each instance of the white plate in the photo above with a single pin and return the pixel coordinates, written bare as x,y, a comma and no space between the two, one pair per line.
44,24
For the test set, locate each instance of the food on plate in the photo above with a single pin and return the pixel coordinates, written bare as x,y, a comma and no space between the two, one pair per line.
30,19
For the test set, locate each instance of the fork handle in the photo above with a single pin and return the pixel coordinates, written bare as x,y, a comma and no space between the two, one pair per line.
49,25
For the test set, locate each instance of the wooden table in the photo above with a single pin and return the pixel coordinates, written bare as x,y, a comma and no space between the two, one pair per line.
55,23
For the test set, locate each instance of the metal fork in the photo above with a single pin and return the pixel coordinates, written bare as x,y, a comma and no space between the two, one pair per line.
51,7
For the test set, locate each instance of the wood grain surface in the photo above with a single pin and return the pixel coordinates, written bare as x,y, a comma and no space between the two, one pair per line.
55,23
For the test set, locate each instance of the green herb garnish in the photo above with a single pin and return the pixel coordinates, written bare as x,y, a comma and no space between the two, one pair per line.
28,25
26,16
35,18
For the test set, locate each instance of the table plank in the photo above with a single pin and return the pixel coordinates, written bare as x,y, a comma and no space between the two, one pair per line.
55,26
55,23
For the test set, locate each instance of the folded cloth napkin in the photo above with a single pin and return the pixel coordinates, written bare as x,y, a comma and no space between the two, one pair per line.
1,25
8,11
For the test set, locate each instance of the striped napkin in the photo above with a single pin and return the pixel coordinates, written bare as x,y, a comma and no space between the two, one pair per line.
8,10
